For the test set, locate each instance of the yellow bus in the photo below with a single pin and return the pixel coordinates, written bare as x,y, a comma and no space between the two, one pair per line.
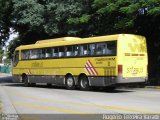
84,62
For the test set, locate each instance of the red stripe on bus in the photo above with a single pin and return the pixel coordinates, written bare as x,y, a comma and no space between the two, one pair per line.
96,73
87,69
90,67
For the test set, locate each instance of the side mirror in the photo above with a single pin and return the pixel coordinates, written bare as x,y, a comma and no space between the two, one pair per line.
12,56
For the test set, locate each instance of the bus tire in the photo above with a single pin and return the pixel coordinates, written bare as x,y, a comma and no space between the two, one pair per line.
25,80
110,88
69,82
32,84
142,85
84,83
49,85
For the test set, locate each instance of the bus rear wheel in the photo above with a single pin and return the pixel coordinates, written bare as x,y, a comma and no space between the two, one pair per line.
110,88
84,83
69,82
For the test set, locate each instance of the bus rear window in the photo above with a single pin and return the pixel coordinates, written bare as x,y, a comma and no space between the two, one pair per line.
107,48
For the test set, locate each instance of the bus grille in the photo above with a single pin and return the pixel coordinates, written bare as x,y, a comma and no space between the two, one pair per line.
110,71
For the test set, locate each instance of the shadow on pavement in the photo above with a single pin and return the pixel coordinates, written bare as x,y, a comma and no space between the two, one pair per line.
93,89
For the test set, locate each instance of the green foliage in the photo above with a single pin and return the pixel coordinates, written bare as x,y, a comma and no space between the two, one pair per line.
42,19
109,8
1,51
12,46
28,18
127,23
155,11
83,19
28,12
73,21
132,8
57,13
5,19
1,54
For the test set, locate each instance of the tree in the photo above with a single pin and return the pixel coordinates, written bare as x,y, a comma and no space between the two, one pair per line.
40,19
29,20
1,54
138,17
5,19
12,46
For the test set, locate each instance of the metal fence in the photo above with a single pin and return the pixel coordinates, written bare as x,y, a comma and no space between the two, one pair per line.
5,69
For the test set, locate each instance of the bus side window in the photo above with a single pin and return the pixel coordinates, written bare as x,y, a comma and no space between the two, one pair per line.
111,48
25,54
55,52
92,49
75,50
48,52
101,48
34,54
31,56
84,50
69,51
61,52
42,53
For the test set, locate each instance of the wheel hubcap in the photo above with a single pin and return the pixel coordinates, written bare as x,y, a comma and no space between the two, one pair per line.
70,82
84,83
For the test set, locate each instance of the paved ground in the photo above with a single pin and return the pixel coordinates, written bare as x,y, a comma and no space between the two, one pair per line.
0,107
42,102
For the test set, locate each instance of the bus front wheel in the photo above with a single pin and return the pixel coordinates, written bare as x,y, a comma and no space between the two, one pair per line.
84,83
70,84
25,80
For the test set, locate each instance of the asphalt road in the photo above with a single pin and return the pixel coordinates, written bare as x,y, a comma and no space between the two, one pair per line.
41,102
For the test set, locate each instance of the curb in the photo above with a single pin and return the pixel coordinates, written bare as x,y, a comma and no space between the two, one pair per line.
8,110
154,87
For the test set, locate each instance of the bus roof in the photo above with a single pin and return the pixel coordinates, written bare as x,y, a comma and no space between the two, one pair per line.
68,41
57,40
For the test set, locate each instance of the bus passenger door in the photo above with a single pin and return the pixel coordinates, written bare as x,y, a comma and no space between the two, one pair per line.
58,78
15,72
16,58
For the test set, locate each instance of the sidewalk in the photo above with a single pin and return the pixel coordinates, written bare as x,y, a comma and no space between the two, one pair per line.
0,107
155,87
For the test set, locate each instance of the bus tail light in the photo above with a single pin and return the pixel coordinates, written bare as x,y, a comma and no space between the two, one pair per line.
120,67
147,73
